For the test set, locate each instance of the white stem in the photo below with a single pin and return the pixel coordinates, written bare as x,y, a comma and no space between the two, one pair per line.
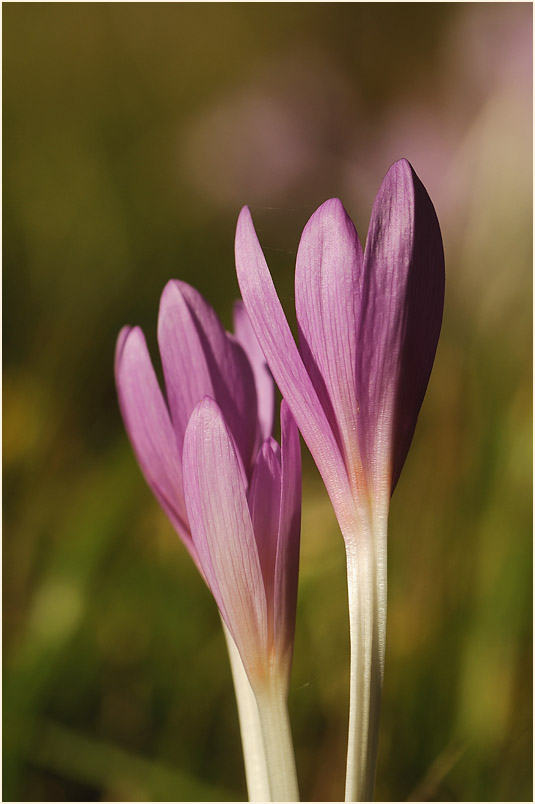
366,579
278,744
251,731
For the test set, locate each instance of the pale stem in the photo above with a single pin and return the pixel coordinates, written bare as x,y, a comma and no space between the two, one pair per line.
366,579
251,731
278,743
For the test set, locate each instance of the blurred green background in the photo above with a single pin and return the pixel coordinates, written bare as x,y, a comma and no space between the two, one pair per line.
133,134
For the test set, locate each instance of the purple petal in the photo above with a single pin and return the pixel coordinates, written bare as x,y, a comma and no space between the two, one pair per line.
222,532
265,388
186,374
264,504
400,320
200,359
149,427
327,297
284,360
287,562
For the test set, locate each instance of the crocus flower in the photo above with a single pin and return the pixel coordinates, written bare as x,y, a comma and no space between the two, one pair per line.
199,358
247,543
368,329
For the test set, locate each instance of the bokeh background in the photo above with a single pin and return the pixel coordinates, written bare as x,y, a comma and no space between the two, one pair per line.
133,134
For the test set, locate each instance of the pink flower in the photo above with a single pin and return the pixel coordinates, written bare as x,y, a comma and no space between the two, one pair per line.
199,359
368,324
234,497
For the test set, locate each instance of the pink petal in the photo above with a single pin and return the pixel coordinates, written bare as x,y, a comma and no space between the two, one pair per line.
327,297
400,320
222,532
264,504
199,359
149,427
186,374
287,561
284,360
265,387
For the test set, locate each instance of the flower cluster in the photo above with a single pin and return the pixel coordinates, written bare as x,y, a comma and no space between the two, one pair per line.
369,321
206,451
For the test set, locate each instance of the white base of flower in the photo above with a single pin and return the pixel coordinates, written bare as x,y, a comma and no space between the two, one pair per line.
366,579
278,744
254,757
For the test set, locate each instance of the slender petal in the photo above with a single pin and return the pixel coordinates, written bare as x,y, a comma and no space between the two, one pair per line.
223,534
275,338
199,359
264,504
328,277
149,427
400,320
287,561
265,388
186,374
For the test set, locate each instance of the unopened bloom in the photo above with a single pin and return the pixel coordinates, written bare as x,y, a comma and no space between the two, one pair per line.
199,358
368,325
368,330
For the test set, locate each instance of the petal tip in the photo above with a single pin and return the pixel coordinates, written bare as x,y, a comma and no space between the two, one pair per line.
333,208
330,216
130,336
124,332
170,290
207,405
402,166
404,172
245,217
205,413
333,205
120,343
130,345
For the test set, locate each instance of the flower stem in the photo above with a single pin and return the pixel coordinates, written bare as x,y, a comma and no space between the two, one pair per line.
252,740
278,744
366,578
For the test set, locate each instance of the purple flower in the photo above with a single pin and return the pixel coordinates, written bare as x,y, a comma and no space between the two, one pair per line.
368,329
246,537
199,359
234,497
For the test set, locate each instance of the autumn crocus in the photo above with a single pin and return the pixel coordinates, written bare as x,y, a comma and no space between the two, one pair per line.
368,326
199,358
247,541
